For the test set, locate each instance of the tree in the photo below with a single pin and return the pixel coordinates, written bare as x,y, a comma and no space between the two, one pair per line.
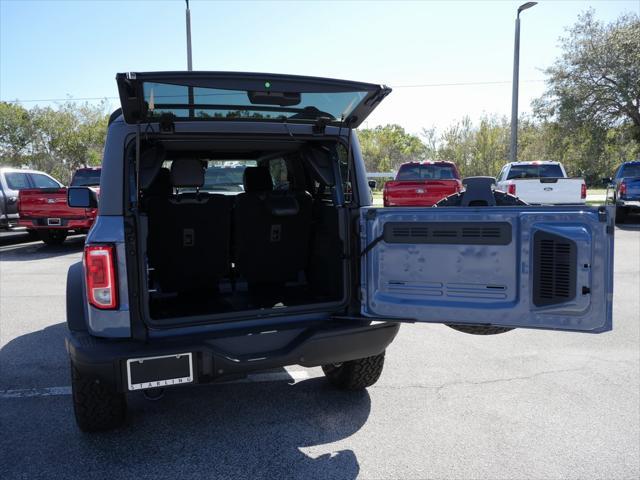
385,148
16,133
56,140
597,79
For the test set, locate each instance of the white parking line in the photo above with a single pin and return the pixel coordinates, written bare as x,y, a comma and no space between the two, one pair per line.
295,375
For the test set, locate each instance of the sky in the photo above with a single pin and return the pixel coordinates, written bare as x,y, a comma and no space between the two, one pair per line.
51,50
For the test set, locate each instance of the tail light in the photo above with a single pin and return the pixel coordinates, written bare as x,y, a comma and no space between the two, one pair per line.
583,191
102,288
511,189
622,189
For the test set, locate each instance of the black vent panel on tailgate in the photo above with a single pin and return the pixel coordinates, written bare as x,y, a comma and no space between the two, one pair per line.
554,269
467,233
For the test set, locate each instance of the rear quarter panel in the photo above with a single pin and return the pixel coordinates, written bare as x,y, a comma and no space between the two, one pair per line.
111,323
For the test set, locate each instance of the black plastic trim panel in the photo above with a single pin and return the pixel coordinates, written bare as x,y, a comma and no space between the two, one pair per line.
554,269
460,233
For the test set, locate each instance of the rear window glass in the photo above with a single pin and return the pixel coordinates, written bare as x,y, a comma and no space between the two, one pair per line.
218,103
42,181
631,170
535,171
225,176
86,178
279,174
426,172
16,180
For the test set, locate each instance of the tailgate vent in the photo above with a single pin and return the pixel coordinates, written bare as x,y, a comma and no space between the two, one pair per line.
467,233
554,274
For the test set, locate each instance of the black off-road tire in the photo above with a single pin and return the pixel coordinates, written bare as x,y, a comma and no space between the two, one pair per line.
355,374
53,237
97,406
480,329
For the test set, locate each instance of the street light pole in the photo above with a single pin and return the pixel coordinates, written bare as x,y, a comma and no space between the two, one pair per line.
513,152
188,14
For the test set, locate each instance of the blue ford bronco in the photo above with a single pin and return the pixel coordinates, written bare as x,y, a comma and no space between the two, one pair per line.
236,233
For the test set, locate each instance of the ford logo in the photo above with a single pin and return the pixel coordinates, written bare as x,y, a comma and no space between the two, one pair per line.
419,190
51,200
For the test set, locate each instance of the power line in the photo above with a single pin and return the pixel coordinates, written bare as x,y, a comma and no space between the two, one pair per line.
423,85
458,84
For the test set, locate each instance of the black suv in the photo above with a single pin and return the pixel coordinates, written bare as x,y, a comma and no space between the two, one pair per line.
236,233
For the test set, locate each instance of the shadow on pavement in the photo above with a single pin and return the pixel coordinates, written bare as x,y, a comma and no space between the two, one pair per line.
234,430
36,250
632,222
12,237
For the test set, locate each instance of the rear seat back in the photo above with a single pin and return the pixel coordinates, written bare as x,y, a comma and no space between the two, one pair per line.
191,232
271,230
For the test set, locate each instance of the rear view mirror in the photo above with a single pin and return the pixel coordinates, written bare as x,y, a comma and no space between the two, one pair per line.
372,184
282,99
82,197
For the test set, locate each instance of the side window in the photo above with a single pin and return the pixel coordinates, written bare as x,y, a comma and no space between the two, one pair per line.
279,174
17,180
42,181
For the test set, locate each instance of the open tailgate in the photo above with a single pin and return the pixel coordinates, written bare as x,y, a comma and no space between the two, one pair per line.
192,96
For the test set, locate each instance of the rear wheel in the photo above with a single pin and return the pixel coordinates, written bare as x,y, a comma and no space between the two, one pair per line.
97,406
355,374
53,237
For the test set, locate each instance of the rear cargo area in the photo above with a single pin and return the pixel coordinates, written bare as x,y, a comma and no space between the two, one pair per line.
237,227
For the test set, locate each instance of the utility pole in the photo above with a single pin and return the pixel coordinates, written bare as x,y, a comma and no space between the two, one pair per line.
188,14
513,153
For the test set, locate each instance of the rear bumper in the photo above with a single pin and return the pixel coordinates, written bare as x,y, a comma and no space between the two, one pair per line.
38,223
217,359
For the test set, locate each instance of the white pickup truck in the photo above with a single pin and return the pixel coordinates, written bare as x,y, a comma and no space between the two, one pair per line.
541,183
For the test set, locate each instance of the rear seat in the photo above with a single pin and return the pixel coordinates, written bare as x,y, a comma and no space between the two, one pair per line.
190,232
271,230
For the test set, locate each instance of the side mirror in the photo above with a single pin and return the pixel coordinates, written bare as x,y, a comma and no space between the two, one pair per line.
607,181
372,184
82,197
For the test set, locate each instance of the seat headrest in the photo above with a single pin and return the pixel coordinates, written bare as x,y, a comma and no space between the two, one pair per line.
187,172
161,184
257,179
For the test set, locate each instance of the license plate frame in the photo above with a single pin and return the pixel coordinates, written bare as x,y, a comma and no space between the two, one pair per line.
149,372
54,222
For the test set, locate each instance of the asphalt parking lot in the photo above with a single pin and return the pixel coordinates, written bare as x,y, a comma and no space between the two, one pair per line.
525,404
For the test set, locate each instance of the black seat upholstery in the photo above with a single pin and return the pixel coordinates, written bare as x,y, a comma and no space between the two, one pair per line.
189,233
271,230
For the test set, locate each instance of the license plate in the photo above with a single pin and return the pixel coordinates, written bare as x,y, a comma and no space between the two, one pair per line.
153,372
53,221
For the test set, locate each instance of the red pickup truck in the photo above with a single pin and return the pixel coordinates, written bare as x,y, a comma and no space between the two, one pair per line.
44,210
422,184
